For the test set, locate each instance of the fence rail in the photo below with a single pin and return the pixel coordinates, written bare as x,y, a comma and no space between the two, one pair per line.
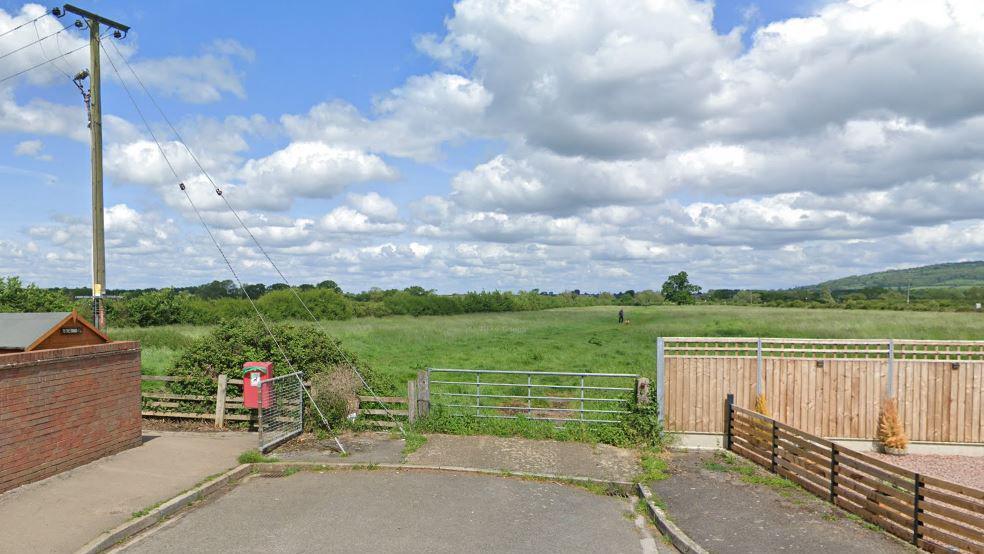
931,513
828,387
227,405
507,394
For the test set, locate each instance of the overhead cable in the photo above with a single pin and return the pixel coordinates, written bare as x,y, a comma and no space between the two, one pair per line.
218,191
225,258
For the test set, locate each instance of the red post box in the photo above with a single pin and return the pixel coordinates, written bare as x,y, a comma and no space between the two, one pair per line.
253,374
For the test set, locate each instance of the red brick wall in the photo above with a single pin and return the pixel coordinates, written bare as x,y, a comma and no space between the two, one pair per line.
66,407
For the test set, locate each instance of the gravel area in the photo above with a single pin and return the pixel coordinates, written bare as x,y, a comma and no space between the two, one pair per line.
964,470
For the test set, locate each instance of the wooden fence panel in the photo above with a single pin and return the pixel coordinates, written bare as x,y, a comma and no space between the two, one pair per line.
829,387
695,387
936,515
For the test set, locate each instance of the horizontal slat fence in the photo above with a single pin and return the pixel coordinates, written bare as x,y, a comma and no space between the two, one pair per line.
226,403
831,388
934,514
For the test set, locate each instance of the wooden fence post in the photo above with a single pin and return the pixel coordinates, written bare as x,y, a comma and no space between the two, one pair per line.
411,401
220,400
833,473
423,393
642,391
729,402
775,445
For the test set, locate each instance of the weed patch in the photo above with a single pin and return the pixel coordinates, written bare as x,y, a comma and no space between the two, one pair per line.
653,467
255,457
863,523
412,441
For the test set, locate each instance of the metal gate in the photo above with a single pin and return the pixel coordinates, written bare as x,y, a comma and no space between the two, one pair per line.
282,417
551,395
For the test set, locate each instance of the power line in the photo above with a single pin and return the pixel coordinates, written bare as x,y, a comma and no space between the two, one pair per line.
8,31
45,54
218,246
33,67
16,50
218,191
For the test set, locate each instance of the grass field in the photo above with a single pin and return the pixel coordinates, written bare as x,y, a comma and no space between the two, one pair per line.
577,339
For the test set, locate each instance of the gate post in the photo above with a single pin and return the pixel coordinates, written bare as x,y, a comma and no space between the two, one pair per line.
411,401
661,381
220,400
423,393
642,391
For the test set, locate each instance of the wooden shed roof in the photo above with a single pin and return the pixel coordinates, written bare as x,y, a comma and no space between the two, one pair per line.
24,331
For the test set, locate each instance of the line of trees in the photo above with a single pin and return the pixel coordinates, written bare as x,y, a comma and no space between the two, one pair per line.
221,300
870,298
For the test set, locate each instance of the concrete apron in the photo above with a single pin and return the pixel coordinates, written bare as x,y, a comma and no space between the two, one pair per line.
116,539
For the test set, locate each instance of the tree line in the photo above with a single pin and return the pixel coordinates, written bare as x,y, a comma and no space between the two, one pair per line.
222,300
217,301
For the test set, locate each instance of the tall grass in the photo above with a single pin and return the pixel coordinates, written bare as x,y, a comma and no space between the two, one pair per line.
578,339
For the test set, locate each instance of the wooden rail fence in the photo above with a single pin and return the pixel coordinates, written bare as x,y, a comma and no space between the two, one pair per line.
831,388
933,514
222,406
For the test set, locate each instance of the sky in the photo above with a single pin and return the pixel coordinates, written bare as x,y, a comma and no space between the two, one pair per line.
500,144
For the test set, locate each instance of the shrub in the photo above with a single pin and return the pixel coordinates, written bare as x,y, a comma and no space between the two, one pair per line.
334,406
890,432
642,425
234,342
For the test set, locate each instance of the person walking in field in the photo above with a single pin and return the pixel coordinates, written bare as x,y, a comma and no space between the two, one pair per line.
621,315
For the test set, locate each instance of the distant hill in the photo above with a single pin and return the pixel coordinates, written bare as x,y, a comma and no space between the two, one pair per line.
960,274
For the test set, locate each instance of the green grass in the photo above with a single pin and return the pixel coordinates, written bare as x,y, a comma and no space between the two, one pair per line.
255,457
863,523
413,441
728,462
653,467
577,339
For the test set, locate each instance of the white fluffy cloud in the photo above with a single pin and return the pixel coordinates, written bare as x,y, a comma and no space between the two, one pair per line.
620,141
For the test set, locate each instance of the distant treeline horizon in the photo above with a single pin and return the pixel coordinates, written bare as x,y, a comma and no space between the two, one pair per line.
213,302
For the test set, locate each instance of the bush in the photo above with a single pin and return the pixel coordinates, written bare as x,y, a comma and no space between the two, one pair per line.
642,426
334,405
234,342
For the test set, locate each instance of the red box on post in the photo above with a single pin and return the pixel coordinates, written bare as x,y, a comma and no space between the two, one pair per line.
253,374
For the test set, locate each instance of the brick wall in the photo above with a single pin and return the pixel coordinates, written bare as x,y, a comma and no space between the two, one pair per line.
66,407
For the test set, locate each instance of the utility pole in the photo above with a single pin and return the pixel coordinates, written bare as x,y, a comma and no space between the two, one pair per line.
94,22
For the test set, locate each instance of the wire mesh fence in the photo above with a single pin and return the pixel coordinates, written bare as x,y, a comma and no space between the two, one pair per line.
282,409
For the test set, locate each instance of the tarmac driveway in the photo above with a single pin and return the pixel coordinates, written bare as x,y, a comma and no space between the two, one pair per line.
66,511
399,511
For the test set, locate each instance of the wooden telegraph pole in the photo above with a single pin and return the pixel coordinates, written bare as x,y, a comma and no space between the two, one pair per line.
94,22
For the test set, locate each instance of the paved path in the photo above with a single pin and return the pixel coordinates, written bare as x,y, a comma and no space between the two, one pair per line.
570,459
574,459
723,513
64,512
399,511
